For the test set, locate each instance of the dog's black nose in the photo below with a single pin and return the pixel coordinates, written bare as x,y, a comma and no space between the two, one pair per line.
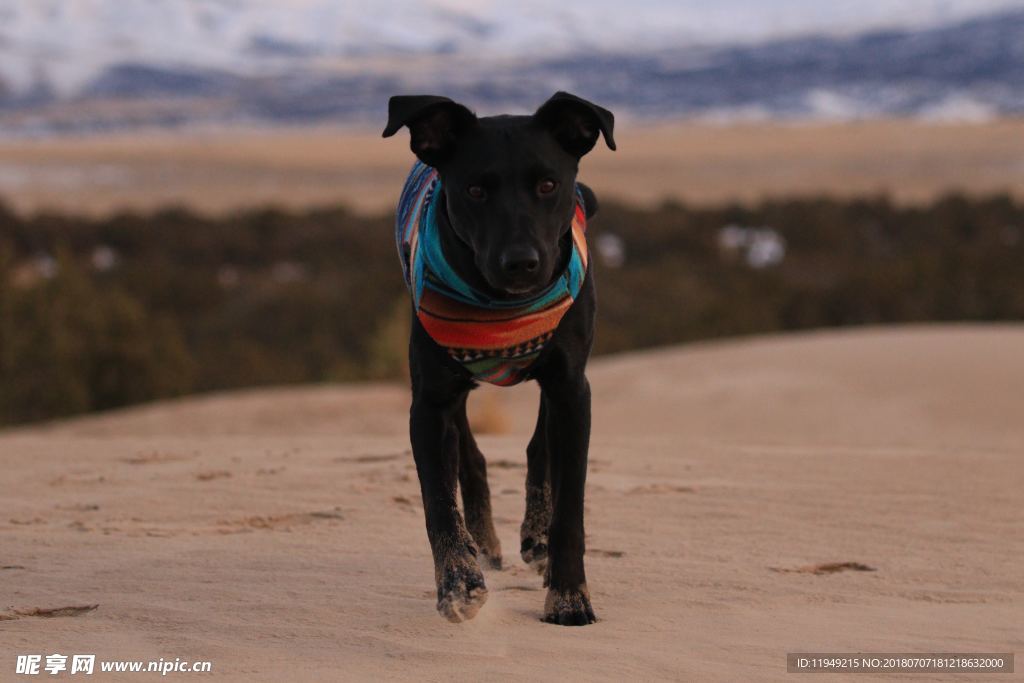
520,260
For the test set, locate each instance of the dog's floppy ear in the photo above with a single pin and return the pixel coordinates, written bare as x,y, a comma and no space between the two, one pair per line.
435,124
575,122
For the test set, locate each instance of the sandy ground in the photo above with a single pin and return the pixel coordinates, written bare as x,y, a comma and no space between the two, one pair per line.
219,170
279,533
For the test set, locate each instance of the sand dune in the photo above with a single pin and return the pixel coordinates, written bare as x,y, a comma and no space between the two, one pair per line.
737,493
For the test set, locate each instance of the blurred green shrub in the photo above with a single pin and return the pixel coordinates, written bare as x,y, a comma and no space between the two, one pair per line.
101,313
68,345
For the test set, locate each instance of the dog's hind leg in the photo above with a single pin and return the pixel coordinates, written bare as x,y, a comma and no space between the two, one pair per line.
476,494
533,534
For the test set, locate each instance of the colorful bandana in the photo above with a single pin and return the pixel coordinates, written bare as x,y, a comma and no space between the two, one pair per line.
495,340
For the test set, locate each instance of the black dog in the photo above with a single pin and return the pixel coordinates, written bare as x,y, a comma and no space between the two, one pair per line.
503,210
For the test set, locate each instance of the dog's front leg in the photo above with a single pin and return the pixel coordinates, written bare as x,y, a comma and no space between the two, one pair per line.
435,443
567,398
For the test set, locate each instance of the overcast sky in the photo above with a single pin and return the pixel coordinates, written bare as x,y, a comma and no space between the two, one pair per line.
68,42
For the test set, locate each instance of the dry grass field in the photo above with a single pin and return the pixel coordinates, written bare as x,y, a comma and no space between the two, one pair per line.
219,170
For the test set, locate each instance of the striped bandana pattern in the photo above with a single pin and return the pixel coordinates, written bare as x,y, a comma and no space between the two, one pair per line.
497,341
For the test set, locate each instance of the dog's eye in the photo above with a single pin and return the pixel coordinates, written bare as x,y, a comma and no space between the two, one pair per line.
476,192
546,186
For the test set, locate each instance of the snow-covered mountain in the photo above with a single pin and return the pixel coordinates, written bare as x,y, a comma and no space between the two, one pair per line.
316,59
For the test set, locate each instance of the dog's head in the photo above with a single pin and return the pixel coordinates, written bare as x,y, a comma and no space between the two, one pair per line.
509,181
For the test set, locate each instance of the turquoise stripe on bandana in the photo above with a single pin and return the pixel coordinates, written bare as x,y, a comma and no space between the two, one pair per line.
433,256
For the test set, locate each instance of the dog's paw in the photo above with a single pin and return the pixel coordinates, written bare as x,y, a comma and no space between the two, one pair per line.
461,591
533,534
490,547
569,607
535,552
491,557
